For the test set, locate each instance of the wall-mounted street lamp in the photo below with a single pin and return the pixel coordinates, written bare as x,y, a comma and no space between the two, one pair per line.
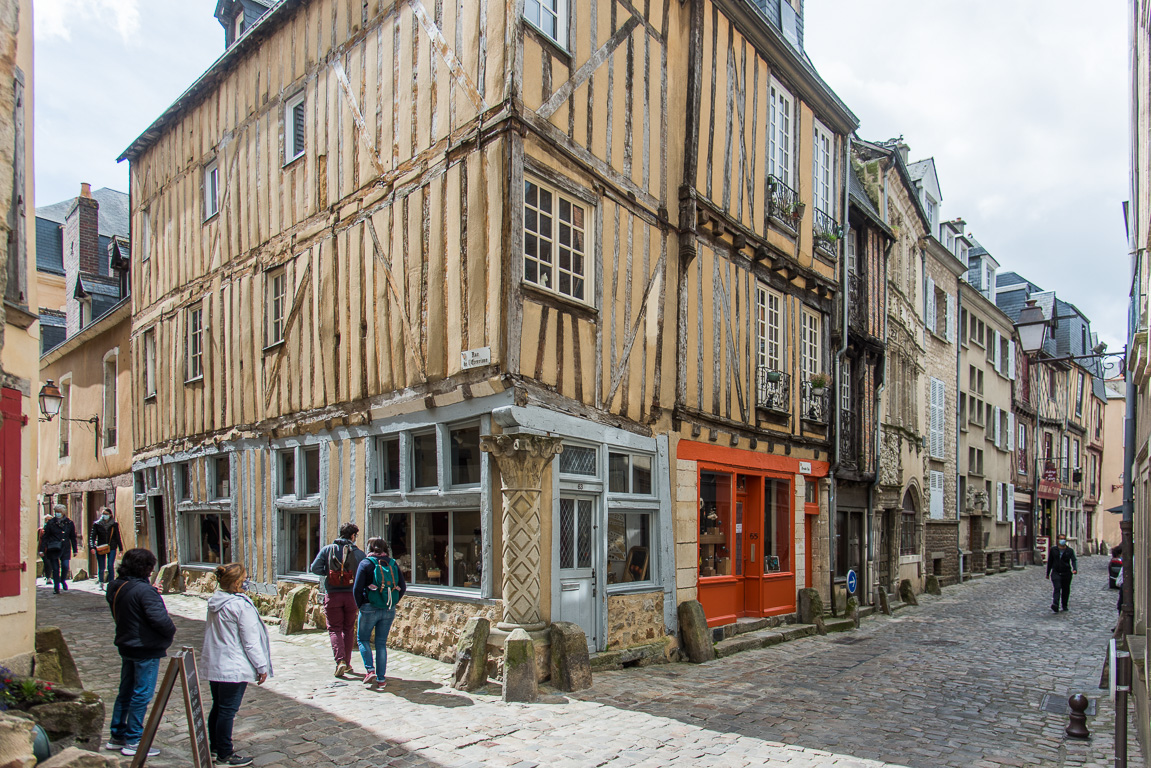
51,398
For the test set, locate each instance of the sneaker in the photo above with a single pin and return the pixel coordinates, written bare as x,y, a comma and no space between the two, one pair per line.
64,584
381,683
234,759
130,750
1055,609
341,669
370,678
115,745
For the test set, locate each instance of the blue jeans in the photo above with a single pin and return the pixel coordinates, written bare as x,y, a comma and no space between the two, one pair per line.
59,564
106,565
226,698
137,686
379,619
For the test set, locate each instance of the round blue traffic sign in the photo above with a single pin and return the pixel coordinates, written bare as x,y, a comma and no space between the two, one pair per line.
851,582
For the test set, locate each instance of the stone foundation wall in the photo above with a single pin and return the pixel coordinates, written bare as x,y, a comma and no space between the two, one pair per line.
634,619
432,626
940,537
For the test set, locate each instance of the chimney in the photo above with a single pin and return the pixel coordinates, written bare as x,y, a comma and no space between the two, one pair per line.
81,249
904,152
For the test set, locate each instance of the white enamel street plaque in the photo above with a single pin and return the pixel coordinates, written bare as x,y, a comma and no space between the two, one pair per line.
476,358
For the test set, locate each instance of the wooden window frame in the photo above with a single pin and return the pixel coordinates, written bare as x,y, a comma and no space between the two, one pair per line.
559,10
823,169
765,327
211,190
555,271
275,327
149,342
194,350
811,337
781,154
109,421
292,138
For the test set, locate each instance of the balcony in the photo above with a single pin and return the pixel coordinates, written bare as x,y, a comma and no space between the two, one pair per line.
814,403
826,232
786,207
773,390
857,303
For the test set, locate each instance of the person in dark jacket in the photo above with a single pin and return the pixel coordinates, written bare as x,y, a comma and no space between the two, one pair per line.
59,543
104,542
1061,566
337,563
143,633
376,594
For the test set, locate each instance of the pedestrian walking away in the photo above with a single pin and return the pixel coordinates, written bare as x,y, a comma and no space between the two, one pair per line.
378,588
237,651
143,633
1061,566
104,542
59,543
40,549
337,563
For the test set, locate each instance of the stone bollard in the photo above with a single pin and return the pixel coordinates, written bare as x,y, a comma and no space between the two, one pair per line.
810,606
471,669
52,652
694,634
520,682
931,587
168,577
1077,727
295,610
570,665
907,592
882,601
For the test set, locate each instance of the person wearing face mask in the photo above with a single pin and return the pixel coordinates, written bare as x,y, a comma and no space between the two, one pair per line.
59,543
1061,566
104,542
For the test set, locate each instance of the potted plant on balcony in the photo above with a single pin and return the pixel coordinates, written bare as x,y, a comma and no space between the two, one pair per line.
827,239
818,382
772,377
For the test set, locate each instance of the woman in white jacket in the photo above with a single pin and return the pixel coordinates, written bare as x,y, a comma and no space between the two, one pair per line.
236,652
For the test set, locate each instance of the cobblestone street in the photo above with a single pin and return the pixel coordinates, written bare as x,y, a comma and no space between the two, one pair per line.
957,681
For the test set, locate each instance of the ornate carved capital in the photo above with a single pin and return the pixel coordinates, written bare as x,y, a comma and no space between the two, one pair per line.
522,458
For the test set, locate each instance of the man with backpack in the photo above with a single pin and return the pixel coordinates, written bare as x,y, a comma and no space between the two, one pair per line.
378,588
337,563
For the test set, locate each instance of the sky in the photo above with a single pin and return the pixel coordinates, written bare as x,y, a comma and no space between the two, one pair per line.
1023,105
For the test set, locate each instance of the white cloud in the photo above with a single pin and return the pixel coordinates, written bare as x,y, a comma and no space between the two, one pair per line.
57,18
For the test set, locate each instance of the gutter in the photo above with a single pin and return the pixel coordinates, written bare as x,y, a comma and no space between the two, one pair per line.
833,495
879,410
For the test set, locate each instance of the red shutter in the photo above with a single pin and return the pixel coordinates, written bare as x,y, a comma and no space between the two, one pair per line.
11,422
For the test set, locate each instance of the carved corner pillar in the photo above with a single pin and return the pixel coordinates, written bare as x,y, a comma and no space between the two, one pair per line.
522,460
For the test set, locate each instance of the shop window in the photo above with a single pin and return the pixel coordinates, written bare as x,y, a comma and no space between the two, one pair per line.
221,477
387,464
424,461
208,540
465,450
777,534
715,524
629,547
302,534
436,548
629,473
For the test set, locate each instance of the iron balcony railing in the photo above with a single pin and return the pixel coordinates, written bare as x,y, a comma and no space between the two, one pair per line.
857,303
826,230
849,440
814,403
773,390
785,203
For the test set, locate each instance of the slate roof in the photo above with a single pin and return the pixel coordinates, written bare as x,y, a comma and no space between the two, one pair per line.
53,329
49,246
113,211
918,169
861,200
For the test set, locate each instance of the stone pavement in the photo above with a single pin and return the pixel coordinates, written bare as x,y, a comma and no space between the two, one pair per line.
955,682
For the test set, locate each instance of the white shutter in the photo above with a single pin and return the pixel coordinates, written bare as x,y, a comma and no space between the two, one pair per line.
930,309
1011,360
938,417
936,481
1011,431
996,413
999,501
1011,502
995,354
950,318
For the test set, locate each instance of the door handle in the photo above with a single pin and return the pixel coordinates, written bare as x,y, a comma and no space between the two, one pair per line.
569,587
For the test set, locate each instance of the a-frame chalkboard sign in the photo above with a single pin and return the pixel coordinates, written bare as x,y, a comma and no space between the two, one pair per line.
183,665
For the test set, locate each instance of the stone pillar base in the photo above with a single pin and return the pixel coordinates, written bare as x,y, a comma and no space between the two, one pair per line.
541,639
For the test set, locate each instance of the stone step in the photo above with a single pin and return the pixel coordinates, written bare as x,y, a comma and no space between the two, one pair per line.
634,656
839,625
749,641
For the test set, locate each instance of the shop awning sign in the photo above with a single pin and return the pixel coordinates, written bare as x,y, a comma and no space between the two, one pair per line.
1049,483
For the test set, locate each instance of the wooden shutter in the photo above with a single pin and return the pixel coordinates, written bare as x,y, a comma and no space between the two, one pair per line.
999,501
936,490
995,353
1011,359
298,129
938,417
1010,502
929,308
1011,431
950,318
11,563
995,415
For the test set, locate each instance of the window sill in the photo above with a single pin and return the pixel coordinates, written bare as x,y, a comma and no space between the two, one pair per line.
150,398
633,588
197,380
274,346
539,291
301,578
293,160
548,40
460,594
211,216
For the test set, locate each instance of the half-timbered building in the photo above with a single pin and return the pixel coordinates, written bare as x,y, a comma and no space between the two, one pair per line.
759,272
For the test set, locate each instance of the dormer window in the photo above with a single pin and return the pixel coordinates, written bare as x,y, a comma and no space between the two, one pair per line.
238,25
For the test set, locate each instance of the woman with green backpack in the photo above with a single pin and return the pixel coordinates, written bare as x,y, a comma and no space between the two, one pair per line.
378,587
